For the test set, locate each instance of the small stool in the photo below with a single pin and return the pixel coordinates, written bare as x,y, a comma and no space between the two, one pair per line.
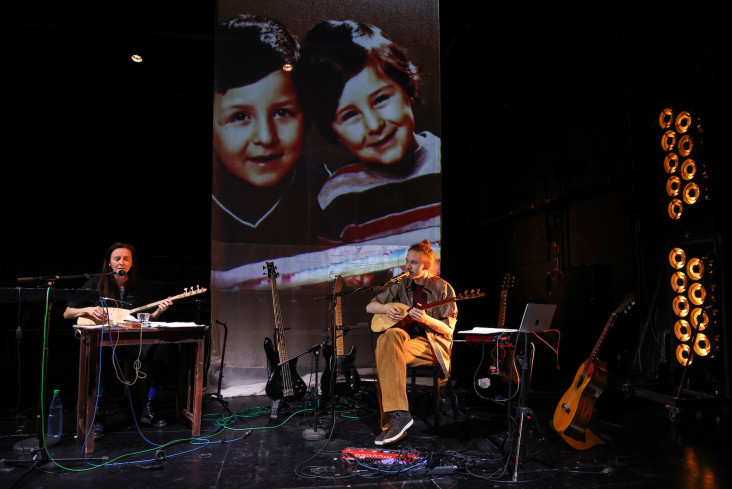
438,379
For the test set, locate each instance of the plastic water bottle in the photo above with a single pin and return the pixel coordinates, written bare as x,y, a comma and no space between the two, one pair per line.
55,416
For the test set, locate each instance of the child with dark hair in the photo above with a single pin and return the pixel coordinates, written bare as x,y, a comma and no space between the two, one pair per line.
359,88
264,189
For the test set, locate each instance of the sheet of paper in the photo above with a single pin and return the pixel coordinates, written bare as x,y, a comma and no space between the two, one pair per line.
487,331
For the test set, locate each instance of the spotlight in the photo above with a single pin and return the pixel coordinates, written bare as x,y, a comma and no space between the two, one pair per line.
665,118
699,319
695,269
697,294
675,208
669,140
671,163
678,282
685,145
691,193
673,186
677,258
702,347
682,330
683,122
681,306
688,169
683,354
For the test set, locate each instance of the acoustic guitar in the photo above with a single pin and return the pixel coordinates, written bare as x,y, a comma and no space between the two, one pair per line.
283,381
117,315
381,322
573,414
346,381
505,355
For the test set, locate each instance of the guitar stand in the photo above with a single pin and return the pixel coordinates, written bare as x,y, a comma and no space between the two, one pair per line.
526,414
217,396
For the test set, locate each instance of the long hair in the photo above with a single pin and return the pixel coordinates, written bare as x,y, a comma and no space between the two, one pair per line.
107,284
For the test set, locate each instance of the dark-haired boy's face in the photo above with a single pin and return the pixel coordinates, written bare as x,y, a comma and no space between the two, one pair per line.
374,118
258,129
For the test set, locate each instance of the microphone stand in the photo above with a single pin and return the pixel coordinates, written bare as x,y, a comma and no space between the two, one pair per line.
38,445
311,434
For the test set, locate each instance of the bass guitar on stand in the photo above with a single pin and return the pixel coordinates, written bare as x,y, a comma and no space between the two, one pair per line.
574,411
283,383
347,380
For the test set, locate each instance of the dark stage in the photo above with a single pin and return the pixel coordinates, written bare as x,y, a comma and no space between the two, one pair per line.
552,169
645,448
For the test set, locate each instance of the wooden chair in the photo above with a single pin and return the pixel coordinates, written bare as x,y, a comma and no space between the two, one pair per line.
438,380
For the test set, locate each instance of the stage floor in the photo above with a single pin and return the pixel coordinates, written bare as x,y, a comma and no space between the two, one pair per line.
646,447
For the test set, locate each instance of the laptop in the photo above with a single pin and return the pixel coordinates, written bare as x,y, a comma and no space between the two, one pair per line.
537,318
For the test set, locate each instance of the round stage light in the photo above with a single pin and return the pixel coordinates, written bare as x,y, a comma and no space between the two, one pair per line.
697,294
668,142
666,118
677,258
675,208
678,282
702,346
695,269
691,193
671,163
688,169
683,122
673,186
685,145
699,319
682,330
681,306
683,354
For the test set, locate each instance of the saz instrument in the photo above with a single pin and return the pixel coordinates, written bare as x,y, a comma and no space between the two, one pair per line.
117,315
347,380
574,411
283,382
381,322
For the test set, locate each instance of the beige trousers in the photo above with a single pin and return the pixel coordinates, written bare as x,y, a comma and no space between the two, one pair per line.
395,350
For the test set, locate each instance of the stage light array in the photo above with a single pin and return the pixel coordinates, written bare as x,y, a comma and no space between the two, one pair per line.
693,305
686,178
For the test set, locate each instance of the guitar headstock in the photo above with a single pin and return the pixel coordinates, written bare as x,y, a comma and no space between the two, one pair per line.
192,291
508,281
470,295
625,306
271,270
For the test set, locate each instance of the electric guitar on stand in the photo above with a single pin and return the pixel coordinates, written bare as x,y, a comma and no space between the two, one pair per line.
346,381
284,382
574,411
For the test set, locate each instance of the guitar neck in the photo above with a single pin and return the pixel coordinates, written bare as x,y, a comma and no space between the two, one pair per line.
608,325
155,304
502,309
338,319
279,327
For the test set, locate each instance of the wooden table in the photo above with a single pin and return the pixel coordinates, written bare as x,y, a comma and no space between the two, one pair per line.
190,398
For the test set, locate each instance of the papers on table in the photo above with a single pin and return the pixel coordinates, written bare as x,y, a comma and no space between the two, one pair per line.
487,331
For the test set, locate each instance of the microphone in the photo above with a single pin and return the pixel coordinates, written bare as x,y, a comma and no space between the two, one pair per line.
119,273
398,277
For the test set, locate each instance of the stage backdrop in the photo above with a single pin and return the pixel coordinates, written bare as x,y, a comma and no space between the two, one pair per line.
320,169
